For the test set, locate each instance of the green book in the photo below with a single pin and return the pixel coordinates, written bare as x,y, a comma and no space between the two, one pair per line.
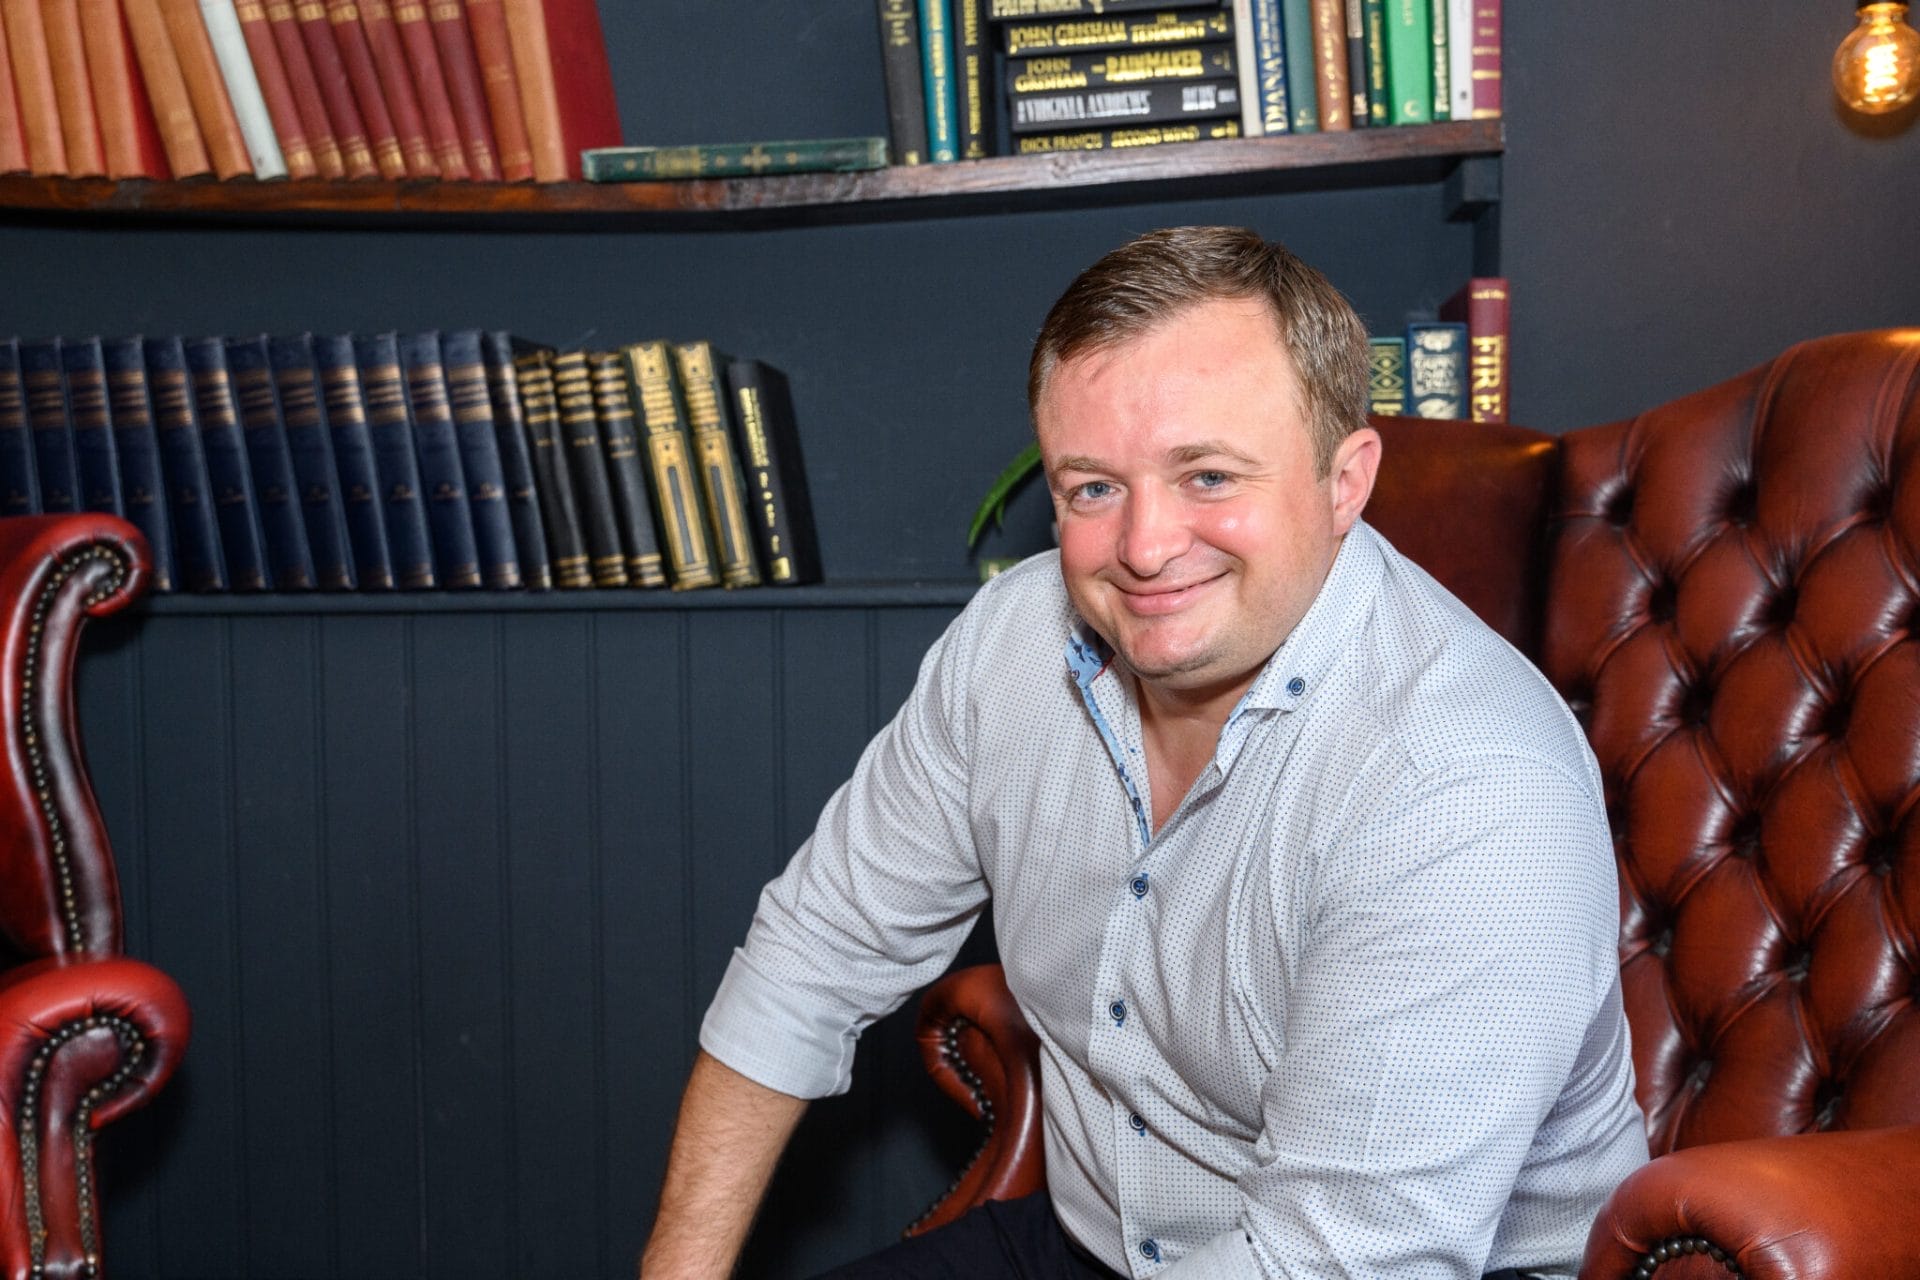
1442,72
1303,95
1387,376
733,159
1410,61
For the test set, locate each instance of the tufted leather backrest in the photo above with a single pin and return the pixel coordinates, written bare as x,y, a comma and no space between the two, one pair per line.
1733,610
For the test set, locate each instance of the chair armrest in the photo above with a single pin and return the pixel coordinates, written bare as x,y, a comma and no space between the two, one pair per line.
980,1051
1816,1206
82,1042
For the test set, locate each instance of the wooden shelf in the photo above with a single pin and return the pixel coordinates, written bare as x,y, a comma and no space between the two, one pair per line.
851,595
1315,161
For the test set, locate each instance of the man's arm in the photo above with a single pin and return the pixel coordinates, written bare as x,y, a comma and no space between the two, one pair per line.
730,1135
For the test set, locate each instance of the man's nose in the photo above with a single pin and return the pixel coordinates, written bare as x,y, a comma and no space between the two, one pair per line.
1154,532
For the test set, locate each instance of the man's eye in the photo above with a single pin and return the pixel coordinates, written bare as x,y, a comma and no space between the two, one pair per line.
1211,479
1092,489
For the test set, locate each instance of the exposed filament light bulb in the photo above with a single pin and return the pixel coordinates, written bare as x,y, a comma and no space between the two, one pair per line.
1876,69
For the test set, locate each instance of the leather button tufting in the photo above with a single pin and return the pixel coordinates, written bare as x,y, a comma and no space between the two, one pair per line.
1620,507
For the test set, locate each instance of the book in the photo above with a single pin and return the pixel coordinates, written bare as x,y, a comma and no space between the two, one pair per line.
701,372
1331,82
33,86
1442,70
443,472
626,474
316,475
1483,73
493,51
1127,137
72,88
13,134
243,88
1153,103
430,85
96,460
206,89
186,150
183,464
1297,46
1121,67
589,109
363,495
973,79
283,524
466,91
236,508
383,390
1253,115
1359,69
1460,57
566,539
906,98
1160,27
1017,10
1437,369
587,465
768,438
336,91
128,132
53,461
670,464
539,95
1387,376
1409,61
937,71
516,461
356,57
471,409
1483,305
276,90
734,159
143,484
19,483
398,92
303,86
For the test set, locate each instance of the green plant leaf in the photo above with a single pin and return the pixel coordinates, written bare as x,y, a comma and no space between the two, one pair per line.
994,505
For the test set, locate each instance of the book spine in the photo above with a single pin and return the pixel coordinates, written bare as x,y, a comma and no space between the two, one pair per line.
768,438
702,374
398,91
236,507
33,85
1331,82
466,92
670,464
973,86
471,407
315,475
734,159
1175,26
243,88
1442,71
276,90
1296,21
362,493
1387,376
1484,306
73,88
539,96
1358,70
936,56
566,540
282,523
1121,67
626,475
493,51
183,462
143,486
1135,104
906,98
1253,117
1029,10
383,390
516,464
1484,70
19,481
1460,57
207,89
304,86
167,90
443,475
96,461
580,436
13,134
127,133
356,55
1409,61
1126,138
336,88
456,125
52,430
1437,369
589,111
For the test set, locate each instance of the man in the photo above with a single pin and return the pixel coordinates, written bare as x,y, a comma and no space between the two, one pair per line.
1301,874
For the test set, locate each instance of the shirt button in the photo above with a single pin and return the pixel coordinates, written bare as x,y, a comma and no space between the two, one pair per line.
1118,1011
1296,686
1139,1125
1150,1249
1139,885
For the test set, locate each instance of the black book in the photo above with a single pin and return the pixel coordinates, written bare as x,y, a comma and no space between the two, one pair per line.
566,541
768,438
274,486
487,501
235,506
906,93
580,434
626,473
19,479
1357,63
183,462
143,485
390,429
315,474
973,78
443,476
344,411
52,431
516,462
96,460
1151,103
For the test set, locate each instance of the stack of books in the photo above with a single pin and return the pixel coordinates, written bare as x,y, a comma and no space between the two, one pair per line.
432,460
1453,367
461,90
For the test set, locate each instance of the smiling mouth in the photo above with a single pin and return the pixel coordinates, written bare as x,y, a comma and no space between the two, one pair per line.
1164,599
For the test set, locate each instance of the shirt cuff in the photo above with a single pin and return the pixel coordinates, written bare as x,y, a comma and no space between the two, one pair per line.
769,1034
1228,1256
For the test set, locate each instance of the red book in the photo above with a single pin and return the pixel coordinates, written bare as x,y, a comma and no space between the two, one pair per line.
469,98
305,87
493,50
166,90
128,130
1486,59
397,88
349,131
423,55
13,137
264,52
539,96
207,88
350,40
73,88
1482,304
33,86
589,111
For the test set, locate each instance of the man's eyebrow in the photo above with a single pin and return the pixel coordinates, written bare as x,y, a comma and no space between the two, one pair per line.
1201,450
1078,462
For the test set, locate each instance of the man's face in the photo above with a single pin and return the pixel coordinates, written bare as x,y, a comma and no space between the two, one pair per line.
1194,528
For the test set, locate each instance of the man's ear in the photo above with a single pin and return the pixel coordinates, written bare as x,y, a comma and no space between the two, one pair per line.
1355,464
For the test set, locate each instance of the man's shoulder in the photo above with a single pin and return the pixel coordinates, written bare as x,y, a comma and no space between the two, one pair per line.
1021,609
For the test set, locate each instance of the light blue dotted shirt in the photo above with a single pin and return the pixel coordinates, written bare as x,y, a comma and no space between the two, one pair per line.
1354,1011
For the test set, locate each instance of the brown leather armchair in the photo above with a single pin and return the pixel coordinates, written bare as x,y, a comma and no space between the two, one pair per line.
86,1034
1727,592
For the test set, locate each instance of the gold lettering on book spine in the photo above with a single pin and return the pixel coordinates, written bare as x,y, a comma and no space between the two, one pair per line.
650,367
718,468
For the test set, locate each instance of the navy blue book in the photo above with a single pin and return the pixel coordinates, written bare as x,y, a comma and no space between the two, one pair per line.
290,365
143,486
183,462
52,432
19,479
319,381
516,463
390,428
443,475
95,459
274,486
1437,369
487,500
235,507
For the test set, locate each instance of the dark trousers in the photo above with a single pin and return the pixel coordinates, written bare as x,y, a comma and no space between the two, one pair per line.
1001,1240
